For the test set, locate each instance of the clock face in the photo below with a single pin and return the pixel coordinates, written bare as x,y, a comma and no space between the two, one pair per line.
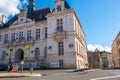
40,16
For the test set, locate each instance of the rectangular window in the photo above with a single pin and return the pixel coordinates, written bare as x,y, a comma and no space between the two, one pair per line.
45,52
77,47
59,8
118,42
6,39
59,25
29,37
119,51
13,37
46,33
20,36
37,34
60,48
61,63
0,38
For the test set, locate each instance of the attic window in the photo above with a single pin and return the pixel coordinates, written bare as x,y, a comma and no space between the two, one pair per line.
21,20
58,8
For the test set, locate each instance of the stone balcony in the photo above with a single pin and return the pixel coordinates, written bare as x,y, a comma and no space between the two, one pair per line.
59,36
17,43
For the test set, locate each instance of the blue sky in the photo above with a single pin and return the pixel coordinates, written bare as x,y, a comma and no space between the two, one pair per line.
100,19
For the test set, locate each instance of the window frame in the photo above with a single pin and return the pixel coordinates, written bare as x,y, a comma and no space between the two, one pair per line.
38,34
60,48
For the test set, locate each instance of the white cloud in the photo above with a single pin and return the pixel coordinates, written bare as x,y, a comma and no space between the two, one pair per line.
99,47
22,3
10,7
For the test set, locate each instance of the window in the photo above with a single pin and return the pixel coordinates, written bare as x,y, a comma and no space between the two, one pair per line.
6,39
21,20
118,41
21,36
37,53
4,55
79,49
45,52
61,63
119,51
46,33
29,35
37,34
13,37
0,38
60,48
60,25
58,8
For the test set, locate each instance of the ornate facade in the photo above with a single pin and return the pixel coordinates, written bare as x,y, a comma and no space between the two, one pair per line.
44,38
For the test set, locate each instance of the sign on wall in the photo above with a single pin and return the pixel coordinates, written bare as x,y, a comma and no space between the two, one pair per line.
71,46
50,47
27,46
10,52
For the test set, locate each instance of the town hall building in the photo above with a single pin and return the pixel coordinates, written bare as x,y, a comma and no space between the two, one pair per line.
44,38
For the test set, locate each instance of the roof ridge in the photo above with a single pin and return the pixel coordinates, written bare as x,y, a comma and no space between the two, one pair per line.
42,8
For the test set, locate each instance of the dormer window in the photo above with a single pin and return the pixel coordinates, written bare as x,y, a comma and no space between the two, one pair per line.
59,8
21,20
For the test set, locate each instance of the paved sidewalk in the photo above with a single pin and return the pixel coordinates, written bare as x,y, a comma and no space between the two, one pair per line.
12,75
84,70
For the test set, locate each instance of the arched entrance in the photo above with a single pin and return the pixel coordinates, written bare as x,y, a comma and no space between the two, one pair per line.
19,55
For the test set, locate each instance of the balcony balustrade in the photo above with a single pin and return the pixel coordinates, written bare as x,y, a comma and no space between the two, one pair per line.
59,36
19,42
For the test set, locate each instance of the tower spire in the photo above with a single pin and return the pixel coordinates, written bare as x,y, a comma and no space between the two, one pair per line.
31,4
31,7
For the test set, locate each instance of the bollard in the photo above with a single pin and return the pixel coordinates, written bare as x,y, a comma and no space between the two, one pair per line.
31,70
22,64
22,68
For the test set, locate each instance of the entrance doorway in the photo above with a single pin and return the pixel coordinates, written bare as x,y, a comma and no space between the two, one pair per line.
19,55
61,63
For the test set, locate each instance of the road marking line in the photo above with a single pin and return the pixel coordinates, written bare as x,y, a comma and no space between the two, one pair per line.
106,77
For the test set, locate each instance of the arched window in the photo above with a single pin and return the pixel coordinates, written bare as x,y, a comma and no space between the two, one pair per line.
37,53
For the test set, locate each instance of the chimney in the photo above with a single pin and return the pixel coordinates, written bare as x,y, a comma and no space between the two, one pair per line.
3,20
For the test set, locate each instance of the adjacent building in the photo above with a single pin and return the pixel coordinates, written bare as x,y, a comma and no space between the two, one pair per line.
116,51
44,38
110,60
107,61
100,59
94,59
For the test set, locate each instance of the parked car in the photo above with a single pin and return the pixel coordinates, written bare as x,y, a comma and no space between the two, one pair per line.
3,67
